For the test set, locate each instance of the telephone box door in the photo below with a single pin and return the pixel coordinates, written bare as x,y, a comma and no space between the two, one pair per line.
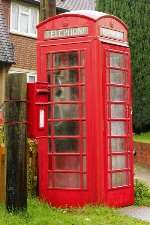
118,118
63,161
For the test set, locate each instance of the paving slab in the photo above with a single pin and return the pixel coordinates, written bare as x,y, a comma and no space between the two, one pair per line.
141,213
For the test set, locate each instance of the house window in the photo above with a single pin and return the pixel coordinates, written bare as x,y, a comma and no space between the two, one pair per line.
24,19
31,77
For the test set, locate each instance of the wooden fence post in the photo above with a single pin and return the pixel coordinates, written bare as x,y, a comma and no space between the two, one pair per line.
15,134
2,173
47,9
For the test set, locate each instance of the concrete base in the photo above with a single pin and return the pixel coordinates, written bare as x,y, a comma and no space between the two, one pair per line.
141,213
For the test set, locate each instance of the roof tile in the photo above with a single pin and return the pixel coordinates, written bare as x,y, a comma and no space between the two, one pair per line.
6,47
75,4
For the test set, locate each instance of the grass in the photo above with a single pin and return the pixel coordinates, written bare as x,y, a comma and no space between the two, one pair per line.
42,214
143,137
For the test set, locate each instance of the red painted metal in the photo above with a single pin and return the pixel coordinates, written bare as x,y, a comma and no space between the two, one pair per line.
86,154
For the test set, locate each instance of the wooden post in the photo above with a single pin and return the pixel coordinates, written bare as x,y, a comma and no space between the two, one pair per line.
47,9
15,134
2,173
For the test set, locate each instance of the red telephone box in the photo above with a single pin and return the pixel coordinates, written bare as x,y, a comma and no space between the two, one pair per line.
80,110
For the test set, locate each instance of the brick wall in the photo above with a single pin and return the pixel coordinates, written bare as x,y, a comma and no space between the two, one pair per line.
25,52
6,8
25,49
142,153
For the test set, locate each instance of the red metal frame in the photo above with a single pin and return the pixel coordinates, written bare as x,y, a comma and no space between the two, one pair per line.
94,103
123,190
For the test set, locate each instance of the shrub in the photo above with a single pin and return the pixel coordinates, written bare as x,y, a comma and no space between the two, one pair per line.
142,193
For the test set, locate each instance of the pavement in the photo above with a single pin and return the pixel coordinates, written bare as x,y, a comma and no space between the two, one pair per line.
142,212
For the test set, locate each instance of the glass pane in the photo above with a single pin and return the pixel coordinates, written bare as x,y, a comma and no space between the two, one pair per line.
84,145
50,180
118,128
67,163
118,162
66,111
118,94
119,179
24,9
66,94
66,76
84,163
118,144
24,20
82,58
49,61
49,109
117,77
82,75
50,145
83,93
33,21
117,111
49,129
67,145
67,180
67,128
84,129
15,15
66,59
84,181
50,163
49,78
117,60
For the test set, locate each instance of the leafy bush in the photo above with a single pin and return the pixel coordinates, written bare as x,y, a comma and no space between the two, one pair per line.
142,193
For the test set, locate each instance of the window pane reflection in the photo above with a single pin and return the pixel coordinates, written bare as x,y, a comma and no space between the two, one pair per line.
117,60
117,76
117,111
118,144
66,76
65,59
119,179
118,94
67,128
66,111
118,162
67,145
67,163
66,93
66,180
84,181
82,58
118,128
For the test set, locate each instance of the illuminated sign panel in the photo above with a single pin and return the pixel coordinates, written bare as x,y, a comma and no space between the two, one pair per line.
106,32
67,32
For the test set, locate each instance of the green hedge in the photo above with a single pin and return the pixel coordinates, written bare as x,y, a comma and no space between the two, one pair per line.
135,13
